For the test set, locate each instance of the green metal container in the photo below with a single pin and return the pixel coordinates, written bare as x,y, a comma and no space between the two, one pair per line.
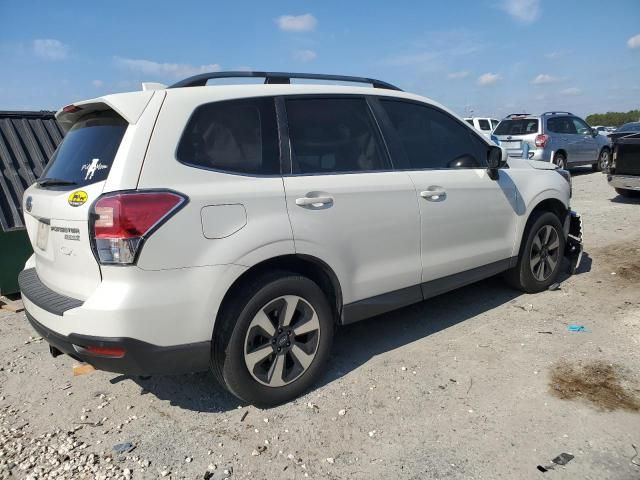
15,249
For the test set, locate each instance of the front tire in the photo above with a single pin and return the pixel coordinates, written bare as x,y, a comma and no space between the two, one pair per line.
274,339
541,254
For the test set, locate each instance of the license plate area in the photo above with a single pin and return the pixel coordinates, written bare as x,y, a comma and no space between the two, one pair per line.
42,236
515,145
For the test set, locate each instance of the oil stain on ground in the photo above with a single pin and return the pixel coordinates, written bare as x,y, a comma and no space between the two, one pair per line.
603,385
623,259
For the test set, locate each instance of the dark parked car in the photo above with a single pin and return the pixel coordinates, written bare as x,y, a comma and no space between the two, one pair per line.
623,171
624,130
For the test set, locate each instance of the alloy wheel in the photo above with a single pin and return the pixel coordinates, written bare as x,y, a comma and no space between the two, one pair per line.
604,159
282,341
545,253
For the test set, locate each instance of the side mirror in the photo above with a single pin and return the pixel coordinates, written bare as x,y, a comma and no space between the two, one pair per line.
494,161
594,133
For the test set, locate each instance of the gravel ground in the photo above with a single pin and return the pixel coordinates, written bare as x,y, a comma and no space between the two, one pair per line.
483,382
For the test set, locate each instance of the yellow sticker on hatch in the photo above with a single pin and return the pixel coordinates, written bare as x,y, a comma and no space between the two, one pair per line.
78,198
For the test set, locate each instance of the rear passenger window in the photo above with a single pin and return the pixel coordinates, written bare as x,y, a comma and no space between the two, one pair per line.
333,135
561,125
238,136
434,139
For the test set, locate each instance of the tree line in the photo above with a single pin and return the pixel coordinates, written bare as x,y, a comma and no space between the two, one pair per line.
613,119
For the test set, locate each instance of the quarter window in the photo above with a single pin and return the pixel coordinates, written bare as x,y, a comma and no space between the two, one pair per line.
433,139
238,136
333,135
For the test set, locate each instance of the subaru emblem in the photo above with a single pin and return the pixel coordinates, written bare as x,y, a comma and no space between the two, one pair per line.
29,203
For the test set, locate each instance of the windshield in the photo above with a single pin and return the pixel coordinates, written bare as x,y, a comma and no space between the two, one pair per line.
522,126
629,127
87,151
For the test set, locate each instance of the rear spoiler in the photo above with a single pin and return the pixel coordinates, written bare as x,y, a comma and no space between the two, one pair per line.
128,105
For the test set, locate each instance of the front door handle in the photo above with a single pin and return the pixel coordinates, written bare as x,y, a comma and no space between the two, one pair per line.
314,201
434,194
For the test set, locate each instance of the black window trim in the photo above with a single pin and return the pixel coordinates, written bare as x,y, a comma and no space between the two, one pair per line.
273,98
391,134
287,164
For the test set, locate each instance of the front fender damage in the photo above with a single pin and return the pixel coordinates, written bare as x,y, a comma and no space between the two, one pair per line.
574,244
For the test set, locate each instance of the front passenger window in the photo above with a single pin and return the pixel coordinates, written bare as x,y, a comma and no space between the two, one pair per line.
434,139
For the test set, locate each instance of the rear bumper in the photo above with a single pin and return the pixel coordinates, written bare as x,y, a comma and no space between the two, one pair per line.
140,358
163,320
625,182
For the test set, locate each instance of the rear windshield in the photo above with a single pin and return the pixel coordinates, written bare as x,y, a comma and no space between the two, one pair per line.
484,124
629,127
522,126
87,151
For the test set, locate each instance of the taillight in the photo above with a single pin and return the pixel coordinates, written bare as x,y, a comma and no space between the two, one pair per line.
121,222
541,140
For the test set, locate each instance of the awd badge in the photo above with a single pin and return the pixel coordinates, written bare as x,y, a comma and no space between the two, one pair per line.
78,198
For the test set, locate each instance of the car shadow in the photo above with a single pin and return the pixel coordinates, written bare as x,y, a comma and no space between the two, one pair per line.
354,344
626,200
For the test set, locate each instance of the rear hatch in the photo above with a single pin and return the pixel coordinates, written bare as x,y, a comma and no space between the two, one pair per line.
57,207
627,155
517,135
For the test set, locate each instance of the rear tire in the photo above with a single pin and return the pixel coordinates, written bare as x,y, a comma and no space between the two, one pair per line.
541,254
560,160
603,161
274,339
627,193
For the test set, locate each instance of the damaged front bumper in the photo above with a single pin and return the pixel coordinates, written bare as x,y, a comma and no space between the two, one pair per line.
573,233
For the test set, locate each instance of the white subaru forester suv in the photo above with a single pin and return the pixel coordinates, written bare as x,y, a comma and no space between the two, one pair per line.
232,227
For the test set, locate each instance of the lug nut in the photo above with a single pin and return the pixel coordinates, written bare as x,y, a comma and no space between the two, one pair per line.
279,349
288,344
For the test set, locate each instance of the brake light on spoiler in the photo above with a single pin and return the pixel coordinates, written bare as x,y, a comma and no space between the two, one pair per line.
122,221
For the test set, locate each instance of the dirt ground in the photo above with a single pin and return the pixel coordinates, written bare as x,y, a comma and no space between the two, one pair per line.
480,383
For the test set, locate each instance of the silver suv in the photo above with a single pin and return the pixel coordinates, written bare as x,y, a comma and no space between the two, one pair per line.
558,137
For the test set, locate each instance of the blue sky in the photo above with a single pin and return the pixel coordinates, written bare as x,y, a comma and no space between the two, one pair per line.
490,56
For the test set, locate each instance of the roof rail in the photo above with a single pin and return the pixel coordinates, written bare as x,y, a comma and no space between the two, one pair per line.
556,113
517,115
278,78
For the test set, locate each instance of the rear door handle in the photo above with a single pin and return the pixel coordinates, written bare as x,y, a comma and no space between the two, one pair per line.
434,194
314,201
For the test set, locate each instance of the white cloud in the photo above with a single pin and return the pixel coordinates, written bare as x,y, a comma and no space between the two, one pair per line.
304,55
176,70
571,91
556,54
634,42
97,83
50,49
457,75
544,79
488,79
297,23
525,11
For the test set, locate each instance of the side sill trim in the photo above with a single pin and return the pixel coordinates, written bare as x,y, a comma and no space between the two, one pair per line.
370,307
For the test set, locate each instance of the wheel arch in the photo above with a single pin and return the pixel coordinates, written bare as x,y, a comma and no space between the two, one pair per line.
548,204
563,152
306,265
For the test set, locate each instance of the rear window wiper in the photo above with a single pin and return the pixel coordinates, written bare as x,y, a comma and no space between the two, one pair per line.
43,182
